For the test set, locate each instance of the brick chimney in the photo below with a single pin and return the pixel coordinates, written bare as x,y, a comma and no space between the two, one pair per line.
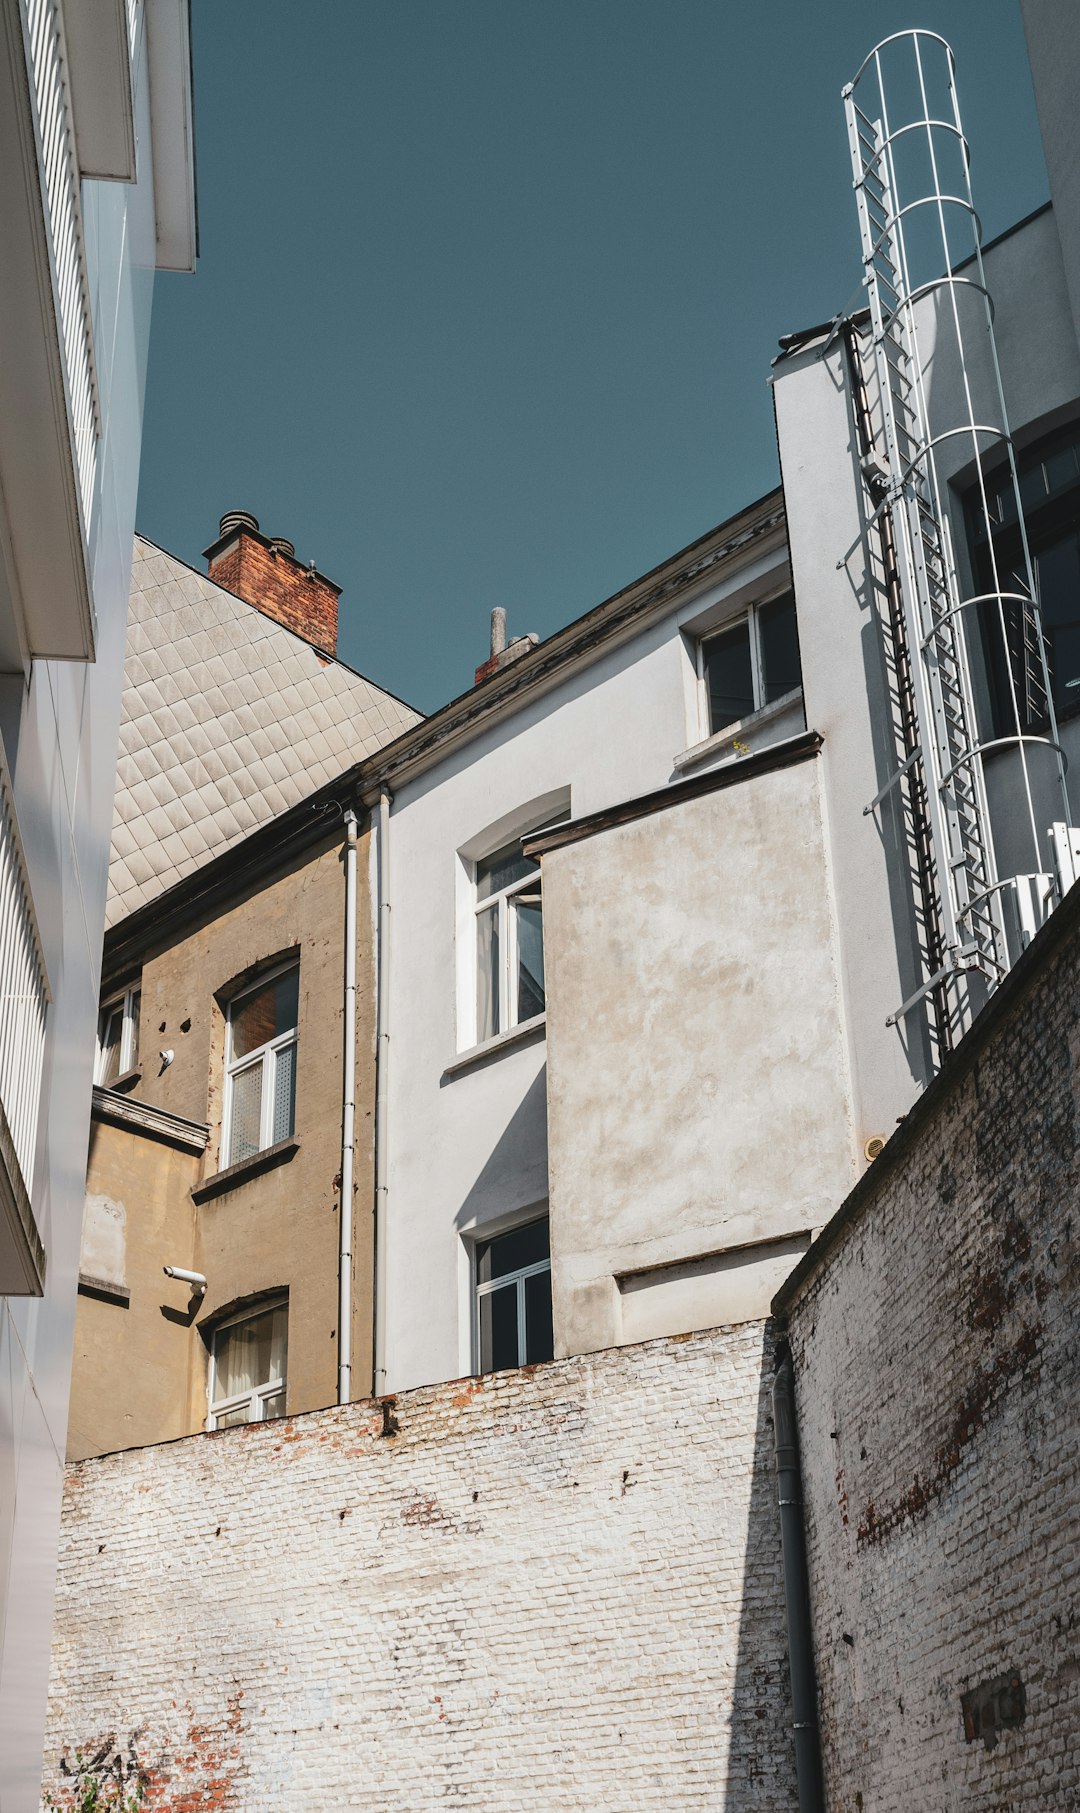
503,652
265,572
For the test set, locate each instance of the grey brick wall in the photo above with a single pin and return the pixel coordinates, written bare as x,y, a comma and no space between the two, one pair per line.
938,1386
550,1589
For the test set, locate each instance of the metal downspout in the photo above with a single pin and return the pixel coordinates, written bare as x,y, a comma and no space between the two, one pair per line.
348,1122
382,1057
796,1589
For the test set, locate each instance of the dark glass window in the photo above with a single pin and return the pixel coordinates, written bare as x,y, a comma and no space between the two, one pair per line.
729,676
1049,477
778,640
513,1298
753,663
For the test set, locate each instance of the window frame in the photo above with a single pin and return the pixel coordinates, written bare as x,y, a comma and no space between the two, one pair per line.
129,1000
750,615
481,1236
499,904
259,1394
265,1056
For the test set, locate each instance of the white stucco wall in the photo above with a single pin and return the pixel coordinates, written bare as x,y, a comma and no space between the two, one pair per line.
698,1090
60,733
468,1148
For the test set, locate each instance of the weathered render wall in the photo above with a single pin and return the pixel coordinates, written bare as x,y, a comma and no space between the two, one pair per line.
550,1589
140,1369
698,1097
938,1377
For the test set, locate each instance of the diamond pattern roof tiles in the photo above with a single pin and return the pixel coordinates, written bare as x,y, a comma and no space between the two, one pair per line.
227,720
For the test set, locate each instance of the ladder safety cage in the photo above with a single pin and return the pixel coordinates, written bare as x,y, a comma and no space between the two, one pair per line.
913,245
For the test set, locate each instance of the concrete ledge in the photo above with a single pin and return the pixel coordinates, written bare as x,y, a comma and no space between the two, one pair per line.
800,748
103,1290
494,1048
122,1110
234,1175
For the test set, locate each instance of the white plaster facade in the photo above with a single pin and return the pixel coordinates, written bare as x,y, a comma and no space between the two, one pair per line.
75,298
466,1149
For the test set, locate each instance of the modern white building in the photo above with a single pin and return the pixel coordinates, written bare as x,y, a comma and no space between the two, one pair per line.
96,192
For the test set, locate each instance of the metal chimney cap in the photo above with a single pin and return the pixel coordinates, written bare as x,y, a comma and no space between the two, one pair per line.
278,545
238,519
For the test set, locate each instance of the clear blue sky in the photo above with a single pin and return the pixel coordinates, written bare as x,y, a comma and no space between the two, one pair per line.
489,289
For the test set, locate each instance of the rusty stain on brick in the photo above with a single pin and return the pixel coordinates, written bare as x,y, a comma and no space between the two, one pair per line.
987,1388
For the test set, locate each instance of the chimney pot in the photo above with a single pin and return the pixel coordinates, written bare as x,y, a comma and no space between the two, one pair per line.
498,630
280,546
238,519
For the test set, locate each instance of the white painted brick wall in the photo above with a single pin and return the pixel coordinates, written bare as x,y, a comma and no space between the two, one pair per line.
551,1589
938,1388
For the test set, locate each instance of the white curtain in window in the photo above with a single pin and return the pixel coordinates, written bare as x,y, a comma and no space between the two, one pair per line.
252,1352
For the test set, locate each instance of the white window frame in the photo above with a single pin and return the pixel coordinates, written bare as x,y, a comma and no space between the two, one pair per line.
757,672
127,999
257,1397
499,904
265,1055
518,1278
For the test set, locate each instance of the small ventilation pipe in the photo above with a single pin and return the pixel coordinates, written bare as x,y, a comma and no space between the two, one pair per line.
382,1086
796,1589
348,1122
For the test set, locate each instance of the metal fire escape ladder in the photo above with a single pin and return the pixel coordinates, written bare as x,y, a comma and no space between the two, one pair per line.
942,705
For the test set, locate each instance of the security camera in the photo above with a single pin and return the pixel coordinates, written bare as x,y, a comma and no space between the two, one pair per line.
195,1279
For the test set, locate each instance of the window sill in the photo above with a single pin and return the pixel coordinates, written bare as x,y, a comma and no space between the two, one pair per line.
125,1081
731,733
254,1166
494,1048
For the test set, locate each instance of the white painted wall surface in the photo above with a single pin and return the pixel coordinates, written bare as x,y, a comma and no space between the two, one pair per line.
698,1091
844,682
60,735
1052,28
468,1149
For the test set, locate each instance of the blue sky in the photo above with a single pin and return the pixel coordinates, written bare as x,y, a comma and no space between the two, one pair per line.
489,289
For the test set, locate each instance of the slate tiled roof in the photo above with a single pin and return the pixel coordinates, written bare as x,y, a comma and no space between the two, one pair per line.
227,720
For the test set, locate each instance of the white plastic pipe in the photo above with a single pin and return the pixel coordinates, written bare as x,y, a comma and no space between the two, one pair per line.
348,1122
382,1064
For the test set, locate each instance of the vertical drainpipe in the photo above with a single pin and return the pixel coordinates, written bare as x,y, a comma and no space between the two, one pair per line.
382,1058
348,1122
796,1589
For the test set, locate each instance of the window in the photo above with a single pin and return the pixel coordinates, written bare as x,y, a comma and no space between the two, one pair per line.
513,1298
260,1065
751,663
1049,476
118,1037
509,941
248,1358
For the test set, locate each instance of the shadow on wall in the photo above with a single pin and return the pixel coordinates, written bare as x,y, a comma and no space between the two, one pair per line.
761,1759
515,1172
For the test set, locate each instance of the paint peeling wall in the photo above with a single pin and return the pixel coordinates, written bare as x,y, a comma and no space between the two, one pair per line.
698,1098
544,1590
938,1378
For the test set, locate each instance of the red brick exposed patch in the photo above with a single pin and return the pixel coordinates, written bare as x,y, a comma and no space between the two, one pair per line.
275,582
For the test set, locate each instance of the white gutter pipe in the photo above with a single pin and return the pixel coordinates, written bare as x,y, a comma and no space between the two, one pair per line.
382,1065
348,1122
